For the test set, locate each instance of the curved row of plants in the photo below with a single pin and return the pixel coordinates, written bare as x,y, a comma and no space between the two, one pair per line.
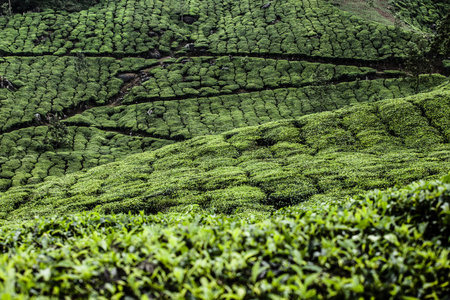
51,84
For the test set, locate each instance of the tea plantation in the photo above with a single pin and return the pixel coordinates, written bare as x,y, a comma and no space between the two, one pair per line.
203,149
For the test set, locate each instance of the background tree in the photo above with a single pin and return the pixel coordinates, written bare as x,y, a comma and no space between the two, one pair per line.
57,133
20,6
441,41
417,61
178,8
321,86
6,8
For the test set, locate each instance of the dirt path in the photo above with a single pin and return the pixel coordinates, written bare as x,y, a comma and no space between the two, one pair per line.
372,10
138,79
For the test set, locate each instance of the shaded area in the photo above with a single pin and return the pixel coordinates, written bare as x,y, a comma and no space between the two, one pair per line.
27,6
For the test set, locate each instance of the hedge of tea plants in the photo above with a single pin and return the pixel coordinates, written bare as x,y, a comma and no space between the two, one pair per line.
154,28
318,157
209,76
389,244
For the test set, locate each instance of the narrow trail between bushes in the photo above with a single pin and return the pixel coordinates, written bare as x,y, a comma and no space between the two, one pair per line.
138,79
389,63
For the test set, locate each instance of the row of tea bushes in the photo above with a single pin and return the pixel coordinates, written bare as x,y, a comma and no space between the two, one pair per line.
130,27
183,119
314,158
208,76
387,244
26,157
56,84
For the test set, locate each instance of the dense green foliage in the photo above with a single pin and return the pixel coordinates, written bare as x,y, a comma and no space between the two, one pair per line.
50,84
441,41
392,244
206,76
130,129
257,127
60,63
26,156
190,117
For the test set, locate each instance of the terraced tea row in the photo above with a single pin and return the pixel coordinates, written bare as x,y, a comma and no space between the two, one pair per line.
154,27
70,85
319,157
187,118
51,84
207,76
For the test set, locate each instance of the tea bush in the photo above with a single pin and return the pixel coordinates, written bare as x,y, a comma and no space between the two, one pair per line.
390,244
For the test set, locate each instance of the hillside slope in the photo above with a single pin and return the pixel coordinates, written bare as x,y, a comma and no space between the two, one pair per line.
131,76
416,15
320,157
